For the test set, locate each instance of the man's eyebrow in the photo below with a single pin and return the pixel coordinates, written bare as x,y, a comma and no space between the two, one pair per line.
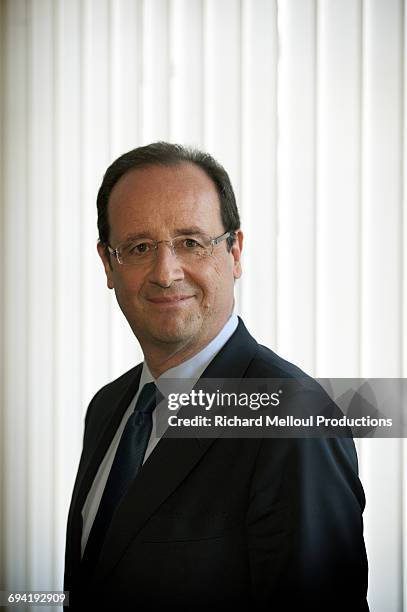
194,229
137,236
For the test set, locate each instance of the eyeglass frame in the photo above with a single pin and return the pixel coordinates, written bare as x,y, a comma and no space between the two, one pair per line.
213,242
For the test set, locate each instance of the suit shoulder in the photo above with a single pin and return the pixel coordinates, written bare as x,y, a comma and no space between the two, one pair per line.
118,384
267,363
108,395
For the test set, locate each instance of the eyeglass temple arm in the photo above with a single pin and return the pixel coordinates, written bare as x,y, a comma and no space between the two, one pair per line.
112,251
223,237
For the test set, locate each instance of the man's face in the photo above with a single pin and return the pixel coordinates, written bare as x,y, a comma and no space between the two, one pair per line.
170,304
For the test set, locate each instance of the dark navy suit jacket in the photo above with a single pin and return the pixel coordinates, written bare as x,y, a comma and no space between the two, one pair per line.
268,524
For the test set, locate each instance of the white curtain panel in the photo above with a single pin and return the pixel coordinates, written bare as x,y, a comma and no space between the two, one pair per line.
304,103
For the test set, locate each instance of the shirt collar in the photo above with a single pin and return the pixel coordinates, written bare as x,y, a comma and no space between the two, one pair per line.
193,367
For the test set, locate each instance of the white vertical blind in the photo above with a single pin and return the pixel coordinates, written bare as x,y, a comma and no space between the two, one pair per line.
297,159
156,70
258,154
303,102
403,226
40,246
15,493
2,253
382,188
67,260
381,282
338,187
96,72
186,82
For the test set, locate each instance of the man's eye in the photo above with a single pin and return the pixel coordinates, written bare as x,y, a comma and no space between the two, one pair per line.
138,249
190,243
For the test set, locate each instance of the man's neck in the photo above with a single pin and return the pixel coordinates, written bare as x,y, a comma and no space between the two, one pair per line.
161,358
160,361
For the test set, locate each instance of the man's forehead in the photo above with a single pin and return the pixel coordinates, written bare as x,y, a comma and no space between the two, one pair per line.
150,181
157,198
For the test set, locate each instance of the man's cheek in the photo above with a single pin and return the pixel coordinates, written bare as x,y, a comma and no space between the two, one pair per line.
127,284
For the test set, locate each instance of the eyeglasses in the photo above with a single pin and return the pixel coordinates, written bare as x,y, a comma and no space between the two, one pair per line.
188,249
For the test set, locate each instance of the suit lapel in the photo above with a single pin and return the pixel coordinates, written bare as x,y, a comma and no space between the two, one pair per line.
89,465
234,357
170,462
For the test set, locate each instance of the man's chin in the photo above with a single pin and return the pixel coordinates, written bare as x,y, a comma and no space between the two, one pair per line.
178,331
172,335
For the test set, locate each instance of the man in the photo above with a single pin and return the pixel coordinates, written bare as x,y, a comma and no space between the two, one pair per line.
196,523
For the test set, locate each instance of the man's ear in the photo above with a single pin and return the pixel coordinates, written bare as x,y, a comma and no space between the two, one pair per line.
106,264
236,251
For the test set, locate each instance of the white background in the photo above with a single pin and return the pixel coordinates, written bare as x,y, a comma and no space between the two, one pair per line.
303,101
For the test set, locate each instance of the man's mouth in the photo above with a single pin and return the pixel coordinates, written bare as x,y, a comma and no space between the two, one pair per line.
169,300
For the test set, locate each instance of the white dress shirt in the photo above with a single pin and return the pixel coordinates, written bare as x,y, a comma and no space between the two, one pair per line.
192,370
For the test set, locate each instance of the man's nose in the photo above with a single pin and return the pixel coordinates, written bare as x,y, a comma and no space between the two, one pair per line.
166,267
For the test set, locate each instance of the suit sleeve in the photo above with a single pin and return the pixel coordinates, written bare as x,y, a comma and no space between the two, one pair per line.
305,528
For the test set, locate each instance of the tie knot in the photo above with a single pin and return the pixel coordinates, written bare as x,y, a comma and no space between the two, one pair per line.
148,399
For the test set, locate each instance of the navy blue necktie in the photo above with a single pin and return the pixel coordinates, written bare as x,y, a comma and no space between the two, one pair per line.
127,462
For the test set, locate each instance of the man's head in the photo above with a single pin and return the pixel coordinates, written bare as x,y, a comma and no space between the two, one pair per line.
175,303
